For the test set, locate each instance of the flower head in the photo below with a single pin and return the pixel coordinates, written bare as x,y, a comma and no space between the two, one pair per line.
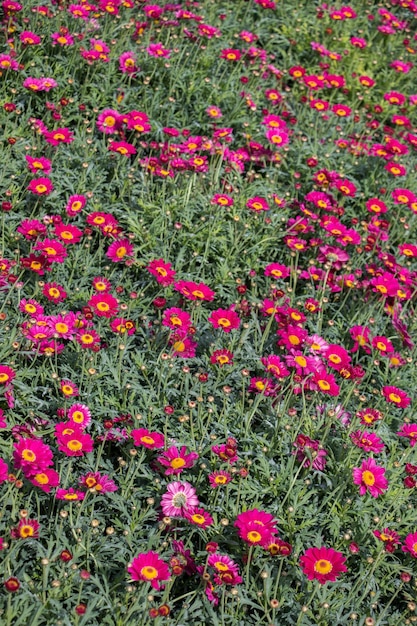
149,567
370,477
323,564
179,498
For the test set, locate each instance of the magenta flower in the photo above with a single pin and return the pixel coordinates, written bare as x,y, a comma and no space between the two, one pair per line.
178,499
177,460
149,567
410,431
370,477
410,545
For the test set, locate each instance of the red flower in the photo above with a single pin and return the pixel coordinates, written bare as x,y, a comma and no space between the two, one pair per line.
118,250
323,564
40,186
162,271
177,460
396,396
76,443
370,477
150,568
226,319
105,304
151,440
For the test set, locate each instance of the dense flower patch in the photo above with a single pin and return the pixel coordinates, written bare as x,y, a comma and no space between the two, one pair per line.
207,313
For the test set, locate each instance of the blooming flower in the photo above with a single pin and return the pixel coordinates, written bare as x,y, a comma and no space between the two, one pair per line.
119,250
162,271
370,477
177,460
226,319
100,483
323,564
396,396
26,529
179,498
410,545
32,456
105,304
390,538
367,441
147,439
410,431
149,567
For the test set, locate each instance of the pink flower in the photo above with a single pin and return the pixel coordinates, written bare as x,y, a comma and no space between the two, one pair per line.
226,319
410,545
79,415
32,456
100,483
127,63
176,319
157,50
323,564
40,186
194,291
162,271
45,480
104,304
4,471
370,477
179,498
119,250
396,396
410,431
199,517
177,460
77,443
367,441
147,439
149,568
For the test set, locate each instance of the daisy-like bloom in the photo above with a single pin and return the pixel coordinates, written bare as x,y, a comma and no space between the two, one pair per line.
158,50
75,204
104,304
176,319
3,423
31,229
199,517
222,357
54,251
40,186
194,291
122,326
257,204
410,431
337,357
148,439
182,346
226,319
292,337
179,498
100,483
62,39
274,366
8,63
76,444
38,164
122,147
177,460
323,564
214,112
265,386
80,415
370,477
58,136
32,456
67,233
68,388
45,480
226,570
101,284
218,479
7,375
109,121
70,494
276,270
326,383
150,568
396,396
63,326
390,538
88,340
231,54
31,307
26,529
369,416
119,250
222,199
367,441
127,63
410,545
258,517
54,292
4,471
360,335
162,271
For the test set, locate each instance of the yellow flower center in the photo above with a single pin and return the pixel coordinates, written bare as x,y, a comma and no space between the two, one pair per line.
149,572
74,445
28,455
177,463
323,566
368,478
